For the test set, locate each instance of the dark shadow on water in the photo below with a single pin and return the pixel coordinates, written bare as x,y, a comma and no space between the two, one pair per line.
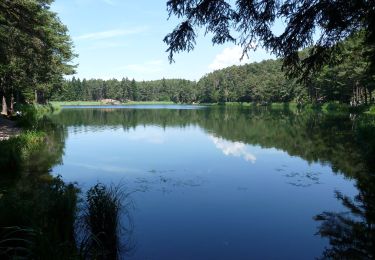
37,219
351,234
44,219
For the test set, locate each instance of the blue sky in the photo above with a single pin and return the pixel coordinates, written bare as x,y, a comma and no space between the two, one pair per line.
124,38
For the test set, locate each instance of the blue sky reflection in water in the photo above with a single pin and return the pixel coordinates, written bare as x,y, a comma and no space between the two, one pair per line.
201,195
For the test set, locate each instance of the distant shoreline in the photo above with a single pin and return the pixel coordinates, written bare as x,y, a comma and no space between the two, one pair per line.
331,107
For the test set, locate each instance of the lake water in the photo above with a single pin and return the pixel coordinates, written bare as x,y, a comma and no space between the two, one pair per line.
221,183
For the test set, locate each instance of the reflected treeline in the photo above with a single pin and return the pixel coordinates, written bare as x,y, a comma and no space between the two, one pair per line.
345,143
41,216
33,152
37,219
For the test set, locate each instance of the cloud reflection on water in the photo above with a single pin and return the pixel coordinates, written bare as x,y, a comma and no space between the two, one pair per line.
237,149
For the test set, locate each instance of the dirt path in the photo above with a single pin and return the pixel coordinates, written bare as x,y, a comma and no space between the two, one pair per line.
8,129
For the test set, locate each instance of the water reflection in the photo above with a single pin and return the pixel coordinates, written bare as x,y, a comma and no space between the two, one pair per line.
303,179
199,201
140,135
351,233
334,140
237,149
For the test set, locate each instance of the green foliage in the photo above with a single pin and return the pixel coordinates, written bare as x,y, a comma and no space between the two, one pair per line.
127,91
262,82
335,107
319,24
33,151
35,50
371,110
346,78
15,151
32,116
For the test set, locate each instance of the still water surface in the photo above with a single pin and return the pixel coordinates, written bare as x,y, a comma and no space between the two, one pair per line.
217,183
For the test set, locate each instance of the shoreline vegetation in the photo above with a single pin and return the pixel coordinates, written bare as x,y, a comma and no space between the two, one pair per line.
329,107
31,114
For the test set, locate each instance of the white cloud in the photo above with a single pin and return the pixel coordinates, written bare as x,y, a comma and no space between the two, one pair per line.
110,34
237,149
228,57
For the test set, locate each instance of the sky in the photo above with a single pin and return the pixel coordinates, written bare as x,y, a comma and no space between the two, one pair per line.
124,38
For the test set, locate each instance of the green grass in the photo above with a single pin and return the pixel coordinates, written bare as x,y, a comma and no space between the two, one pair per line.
16,150
32,115
105,230
371,110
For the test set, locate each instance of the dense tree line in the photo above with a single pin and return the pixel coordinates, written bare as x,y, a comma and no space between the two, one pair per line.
255,82
345,78
35,51
175,90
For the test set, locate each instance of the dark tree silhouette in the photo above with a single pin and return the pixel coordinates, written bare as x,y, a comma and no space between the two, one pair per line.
250,23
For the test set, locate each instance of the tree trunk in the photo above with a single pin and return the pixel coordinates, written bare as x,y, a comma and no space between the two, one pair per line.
11,104
4,111
356,95
370,96
36,97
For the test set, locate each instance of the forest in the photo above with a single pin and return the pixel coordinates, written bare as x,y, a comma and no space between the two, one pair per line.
38,53
346,80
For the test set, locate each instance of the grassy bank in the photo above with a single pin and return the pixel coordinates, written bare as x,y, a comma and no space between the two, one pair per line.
32,115
17,150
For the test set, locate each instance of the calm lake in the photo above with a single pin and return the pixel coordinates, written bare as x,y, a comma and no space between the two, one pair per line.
227,182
